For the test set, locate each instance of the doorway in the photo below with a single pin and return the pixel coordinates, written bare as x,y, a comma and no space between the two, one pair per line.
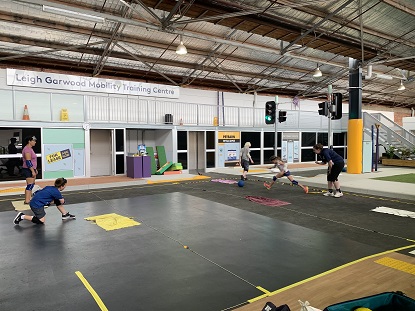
196,152
101,153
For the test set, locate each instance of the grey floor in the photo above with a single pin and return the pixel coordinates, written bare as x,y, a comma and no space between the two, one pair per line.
234,246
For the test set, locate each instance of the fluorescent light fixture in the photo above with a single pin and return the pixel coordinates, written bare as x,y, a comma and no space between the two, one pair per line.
401,87
181,49
73,14
317,73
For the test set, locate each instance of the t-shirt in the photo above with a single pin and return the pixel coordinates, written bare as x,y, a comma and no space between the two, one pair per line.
283,167
33,156
329,154
45,196
244,153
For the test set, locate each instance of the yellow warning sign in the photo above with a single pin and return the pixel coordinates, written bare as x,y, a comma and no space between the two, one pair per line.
113,221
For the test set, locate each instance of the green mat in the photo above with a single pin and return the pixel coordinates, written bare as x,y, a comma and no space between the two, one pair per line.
164,168
161,155
150,152
408,178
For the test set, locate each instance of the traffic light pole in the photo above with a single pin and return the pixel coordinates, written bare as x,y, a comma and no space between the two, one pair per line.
330,130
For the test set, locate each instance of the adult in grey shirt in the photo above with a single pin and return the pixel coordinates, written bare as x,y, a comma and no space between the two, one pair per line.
245,159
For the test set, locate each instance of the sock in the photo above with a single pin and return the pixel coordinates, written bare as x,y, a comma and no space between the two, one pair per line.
338,190
331,190
22,217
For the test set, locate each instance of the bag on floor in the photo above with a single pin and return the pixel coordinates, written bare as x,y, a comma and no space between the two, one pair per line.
388,301
269,306
305,306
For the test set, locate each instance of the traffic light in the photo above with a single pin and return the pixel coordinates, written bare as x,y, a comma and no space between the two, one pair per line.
336,106
282,116
270,109
323,109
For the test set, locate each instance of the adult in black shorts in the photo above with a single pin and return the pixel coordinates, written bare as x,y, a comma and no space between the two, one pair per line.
335,166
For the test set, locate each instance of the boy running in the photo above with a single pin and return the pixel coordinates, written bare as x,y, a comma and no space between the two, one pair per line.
283,168
43,198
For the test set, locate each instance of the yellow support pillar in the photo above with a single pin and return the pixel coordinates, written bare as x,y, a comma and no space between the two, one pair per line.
355,146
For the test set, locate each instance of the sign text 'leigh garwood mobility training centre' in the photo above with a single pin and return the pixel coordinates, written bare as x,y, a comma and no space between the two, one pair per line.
85,84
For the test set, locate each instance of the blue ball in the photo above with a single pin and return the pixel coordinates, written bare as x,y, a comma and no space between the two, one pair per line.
241,183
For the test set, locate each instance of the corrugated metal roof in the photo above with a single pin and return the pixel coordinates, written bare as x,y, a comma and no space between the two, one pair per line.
240,46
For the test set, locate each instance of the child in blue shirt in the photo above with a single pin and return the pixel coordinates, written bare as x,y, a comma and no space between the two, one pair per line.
42,198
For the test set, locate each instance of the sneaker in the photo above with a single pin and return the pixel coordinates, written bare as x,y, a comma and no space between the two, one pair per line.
242,177
18,218
338,194
68,216
267,186
329,194
305,189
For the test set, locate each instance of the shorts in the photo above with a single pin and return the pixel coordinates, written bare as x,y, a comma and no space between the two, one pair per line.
38,211
27,173
335,171
286,174
245,165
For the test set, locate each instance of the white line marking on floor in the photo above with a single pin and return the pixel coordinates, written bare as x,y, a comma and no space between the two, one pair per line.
412,252
394,211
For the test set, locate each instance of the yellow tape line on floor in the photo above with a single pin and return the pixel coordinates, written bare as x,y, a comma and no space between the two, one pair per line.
7,190
92,291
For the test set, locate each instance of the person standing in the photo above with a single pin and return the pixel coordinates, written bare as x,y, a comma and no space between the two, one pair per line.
45,197
29,169
335,166
245,159
283,171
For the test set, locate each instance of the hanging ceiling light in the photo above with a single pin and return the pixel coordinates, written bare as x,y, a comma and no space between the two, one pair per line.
181,49
317,73
401,87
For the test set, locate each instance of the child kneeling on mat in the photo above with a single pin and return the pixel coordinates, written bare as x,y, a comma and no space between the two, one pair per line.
283,171
42,198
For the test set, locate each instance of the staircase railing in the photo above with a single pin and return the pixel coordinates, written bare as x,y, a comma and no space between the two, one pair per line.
391,135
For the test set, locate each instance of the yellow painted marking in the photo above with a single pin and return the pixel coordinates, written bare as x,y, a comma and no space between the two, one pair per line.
199,177
397,264
91,291
6,190
263,290
328,272
20,206
113,221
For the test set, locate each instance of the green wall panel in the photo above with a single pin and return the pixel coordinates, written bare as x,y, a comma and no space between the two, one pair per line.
63,136
54,175
78,146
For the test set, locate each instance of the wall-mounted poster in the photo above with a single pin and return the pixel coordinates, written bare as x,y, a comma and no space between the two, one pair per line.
58,157
229,145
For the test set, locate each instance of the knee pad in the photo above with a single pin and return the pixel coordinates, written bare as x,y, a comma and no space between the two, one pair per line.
37,221
274,178
57,202
295,182
30,187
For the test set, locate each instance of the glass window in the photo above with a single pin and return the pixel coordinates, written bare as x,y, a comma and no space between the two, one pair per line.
256,156
339,151
181,140
323,138
269,139
210,140
308,139
182,158
267,155
210,159
253,137
72,105
119,164
338,139
307,155
119,140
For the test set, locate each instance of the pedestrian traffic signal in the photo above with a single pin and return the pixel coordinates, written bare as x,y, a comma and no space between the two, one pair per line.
270,110
282,116
336,103
323,109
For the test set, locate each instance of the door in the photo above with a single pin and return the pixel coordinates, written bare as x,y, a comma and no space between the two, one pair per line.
196,152
101,153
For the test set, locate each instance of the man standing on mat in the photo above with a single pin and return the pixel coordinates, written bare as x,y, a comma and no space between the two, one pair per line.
245,158
45,197
283,171
335,166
